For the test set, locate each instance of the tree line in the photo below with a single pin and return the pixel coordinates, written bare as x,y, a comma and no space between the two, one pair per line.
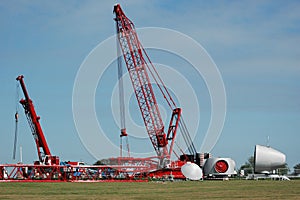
248,168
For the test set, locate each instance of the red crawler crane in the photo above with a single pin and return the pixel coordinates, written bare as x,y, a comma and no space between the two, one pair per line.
43,150
134,56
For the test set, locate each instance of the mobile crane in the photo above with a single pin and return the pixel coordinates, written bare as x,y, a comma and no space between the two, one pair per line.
44,154
138,65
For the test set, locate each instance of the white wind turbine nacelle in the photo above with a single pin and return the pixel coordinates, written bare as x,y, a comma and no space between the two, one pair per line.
192,171
267,159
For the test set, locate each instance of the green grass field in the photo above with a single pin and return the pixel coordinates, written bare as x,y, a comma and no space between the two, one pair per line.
234,189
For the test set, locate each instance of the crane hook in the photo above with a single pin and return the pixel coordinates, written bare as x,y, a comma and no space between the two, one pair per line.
17,116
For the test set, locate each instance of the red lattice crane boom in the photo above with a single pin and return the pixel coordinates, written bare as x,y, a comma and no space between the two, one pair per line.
134,56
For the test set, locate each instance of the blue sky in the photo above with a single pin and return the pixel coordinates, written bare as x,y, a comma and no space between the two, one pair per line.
253,43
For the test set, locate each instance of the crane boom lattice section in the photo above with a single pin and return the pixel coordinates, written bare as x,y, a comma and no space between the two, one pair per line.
133,55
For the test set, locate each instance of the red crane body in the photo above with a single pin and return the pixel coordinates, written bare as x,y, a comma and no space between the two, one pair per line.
36,129
137,67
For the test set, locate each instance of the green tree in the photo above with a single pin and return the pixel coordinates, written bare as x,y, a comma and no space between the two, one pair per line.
102,162
284,169
248,167
297,169
107,162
